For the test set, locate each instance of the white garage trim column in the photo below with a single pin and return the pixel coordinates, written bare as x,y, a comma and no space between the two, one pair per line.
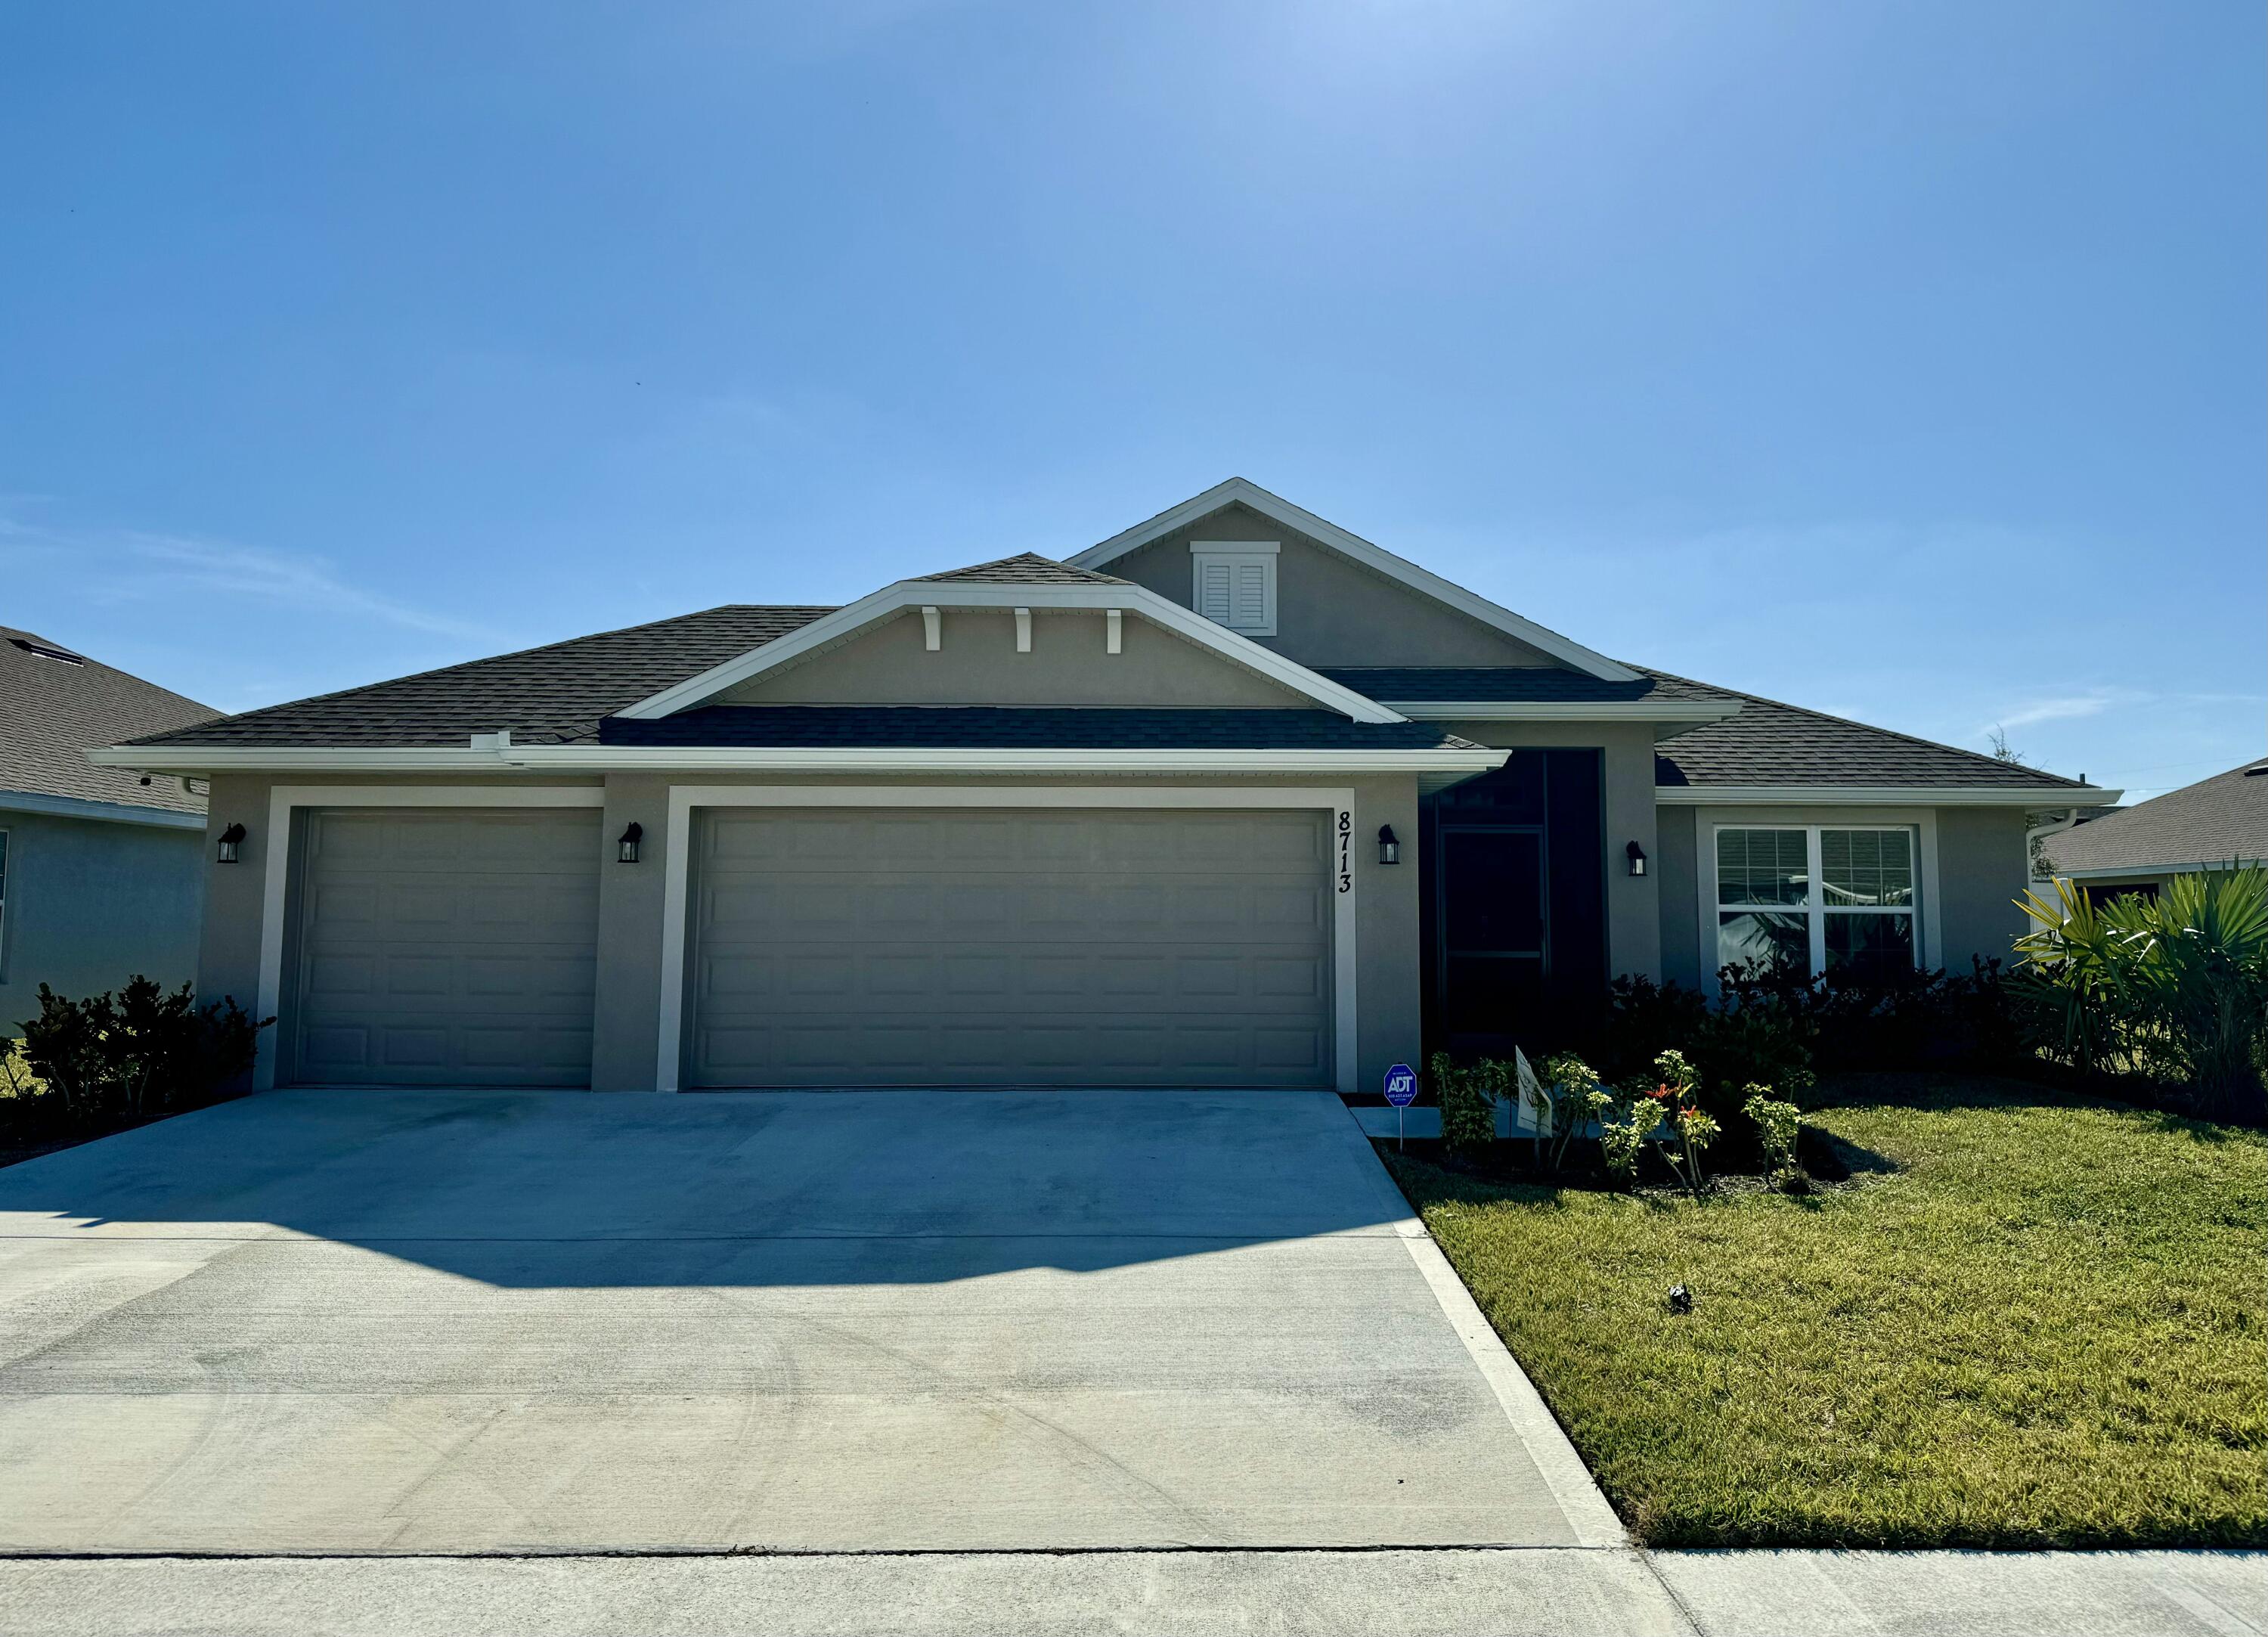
1337,804
282,798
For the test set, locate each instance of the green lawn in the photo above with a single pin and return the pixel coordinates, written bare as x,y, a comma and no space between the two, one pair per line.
2046,1326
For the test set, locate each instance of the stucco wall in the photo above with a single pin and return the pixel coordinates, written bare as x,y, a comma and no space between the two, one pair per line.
1678,868
1982,870
91,903
631,907
1633,903
1329,609
976,663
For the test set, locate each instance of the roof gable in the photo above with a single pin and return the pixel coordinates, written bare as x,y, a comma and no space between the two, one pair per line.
1331,537
843,623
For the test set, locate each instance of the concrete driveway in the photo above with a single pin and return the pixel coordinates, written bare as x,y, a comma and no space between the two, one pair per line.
440,1321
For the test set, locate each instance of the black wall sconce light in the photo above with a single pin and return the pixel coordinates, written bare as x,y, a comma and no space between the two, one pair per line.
626,850
1637,859
1389,849
229,840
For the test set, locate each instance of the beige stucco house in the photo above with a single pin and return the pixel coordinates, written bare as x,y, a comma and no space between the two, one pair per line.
1234,798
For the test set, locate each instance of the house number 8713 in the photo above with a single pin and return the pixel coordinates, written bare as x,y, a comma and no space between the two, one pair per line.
1346,835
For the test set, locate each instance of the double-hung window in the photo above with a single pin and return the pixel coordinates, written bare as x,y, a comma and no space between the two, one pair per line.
1818,899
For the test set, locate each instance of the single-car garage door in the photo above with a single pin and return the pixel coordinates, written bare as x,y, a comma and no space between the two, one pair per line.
1052,948
447,947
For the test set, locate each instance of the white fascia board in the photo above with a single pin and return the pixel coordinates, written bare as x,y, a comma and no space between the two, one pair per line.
848,622
1539,710
332,758
104,812
1240,490
1880,795
856,759
853,758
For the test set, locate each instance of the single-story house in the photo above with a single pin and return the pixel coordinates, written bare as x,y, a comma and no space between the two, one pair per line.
1234,798
2205,826
101,869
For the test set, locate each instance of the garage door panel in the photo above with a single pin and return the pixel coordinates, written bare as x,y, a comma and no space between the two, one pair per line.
448,947
1134,948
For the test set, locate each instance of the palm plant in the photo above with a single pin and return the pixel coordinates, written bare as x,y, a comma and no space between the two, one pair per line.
2175,986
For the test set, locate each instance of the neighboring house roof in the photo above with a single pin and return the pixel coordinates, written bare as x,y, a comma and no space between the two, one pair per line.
60,704
1029,568
1769,745
1050,727
553,695
1243,491
2209,823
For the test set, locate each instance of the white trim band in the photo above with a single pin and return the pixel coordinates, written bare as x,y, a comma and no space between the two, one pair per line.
853,759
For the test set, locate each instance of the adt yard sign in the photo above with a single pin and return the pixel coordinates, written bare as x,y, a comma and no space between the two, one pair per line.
1401,1091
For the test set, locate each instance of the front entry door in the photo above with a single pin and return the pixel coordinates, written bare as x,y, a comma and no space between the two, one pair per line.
1490,915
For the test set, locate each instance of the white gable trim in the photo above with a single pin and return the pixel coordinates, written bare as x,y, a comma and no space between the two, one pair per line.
1237,491
929,593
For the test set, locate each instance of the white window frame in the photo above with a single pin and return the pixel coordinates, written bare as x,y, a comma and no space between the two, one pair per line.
1922,823
7,887
1233,554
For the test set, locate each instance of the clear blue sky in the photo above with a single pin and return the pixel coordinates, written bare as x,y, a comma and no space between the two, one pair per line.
1901,359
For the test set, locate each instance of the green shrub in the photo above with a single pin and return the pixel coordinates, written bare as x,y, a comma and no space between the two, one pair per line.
1568,1097
2174,987
1468,1097
1681,1128
142,1052
1778,1125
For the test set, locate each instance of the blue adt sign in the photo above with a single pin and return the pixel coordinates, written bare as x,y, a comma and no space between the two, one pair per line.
1401,1085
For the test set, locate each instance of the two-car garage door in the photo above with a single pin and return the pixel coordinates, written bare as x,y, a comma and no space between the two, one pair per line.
828,947
887,947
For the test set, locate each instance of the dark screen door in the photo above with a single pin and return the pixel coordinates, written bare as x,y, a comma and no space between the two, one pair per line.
1492,927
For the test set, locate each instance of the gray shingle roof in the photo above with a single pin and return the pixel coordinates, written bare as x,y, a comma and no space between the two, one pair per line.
1766,742
552,695
1541,685
1003,727
1771,743
560,694
55,711
2211,822
1028,568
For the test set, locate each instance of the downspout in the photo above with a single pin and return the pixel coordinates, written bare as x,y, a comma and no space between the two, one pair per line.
2032,835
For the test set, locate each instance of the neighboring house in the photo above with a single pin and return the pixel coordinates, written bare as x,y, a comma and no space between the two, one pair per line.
101,873
2207,825
1234,798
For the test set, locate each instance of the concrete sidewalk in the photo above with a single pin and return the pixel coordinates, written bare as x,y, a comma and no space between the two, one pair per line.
1548,1592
